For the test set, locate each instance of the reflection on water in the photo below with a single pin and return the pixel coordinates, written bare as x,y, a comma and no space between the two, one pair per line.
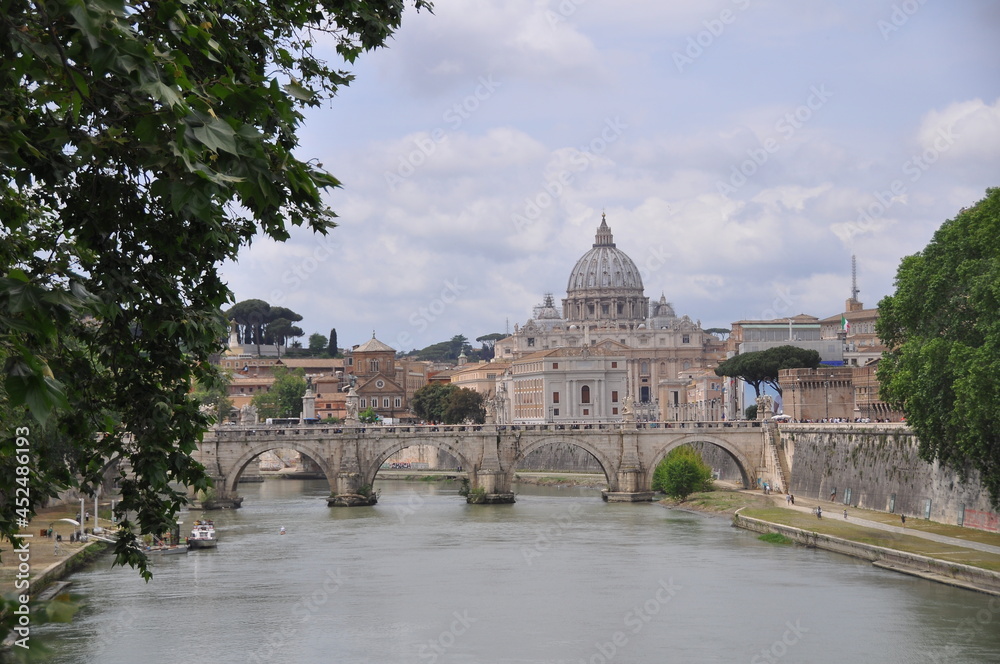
560,576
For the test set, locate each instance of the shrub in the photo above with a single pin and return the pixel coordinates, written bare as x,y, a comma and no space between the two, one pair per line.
681,473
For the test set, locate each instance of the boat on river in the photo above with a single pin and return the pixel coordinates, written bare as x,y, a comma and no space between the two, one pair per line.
202,535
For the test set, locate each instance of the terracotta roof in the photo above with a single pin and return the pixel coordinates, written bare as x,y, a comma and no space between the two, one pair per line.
373,345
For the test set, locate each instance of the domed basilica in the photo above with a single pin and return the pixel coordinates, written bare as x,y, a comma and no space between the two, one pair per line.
606,313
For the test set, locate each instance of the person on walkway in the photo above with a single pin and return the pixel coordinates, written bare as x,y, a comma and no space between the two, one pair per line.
788,499
902,517
845,514
792,495
819,512
833,494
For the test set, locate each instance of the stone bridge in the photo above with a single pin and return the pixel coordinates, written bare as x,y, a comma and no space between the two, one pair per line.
351,457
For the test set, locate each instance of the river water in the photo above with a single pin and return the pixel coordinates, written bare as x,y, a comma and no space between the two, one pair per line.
558,577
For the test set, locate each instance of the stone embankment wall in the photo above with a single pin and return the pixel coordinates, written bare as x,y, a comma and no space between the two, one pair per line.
561,457
964,576
877,467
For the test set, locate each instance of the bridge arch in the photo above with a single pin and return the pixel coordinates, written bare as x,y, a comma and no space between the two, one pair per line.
452,448
735,453
233,474
608,466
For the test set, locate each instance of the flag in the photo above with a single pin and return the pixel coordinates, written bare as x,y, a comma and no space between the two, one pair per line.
844,325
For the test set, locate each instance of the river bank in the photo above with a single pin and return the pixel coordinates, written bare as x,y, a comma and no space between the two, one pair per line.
961,557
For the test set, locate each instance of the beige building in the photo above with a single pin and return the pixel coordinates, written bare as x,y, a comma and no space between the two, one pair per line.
606,302
818,395
481,376
565,385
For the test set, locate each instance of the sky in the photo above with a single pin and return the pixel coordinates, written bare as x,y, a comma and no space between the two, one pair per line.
742,150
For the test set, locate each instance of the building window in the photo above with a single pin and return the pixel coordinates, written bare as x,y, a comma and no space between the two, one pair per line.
614,396
686,339
555,365
644,394
385,402
644,368
373,366
531,341
586,411
399,402
555,397
614,365
604,309
555,411
364,403
614,411
585,395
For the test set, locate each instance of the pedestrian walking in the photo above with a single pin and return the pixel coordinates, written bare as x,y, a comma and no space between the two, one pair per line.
819,512
902,517
793,498
845,514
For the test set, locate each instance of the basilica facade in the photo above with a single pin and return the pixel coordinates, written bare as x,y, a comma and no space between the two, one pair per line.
606,313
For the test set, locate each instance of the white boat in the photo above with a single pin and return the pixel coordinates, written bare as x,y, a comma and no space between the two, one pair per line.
202,535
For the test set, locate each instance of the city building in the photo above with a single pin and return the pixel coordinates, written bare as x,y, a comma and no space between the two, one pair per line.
606,302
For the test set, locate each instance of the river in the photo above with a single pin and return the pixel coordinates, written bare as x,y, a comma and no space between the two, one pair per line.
558,577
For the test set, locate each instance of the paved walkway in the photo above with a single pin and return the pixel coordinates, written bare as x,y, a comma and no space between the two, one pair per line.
833,510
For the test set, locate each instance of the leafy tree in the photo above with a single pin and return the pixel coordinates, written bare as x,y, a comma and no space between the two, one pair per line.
332,349
317,342
721,332
942,328
751,412
216,396
681,473
430,401
142,144
464,405
284,399
489,342
368,416
762,367
251,318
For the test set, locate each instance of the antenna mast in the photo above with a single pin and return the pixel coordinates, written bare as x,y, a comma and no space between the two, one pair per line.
854,277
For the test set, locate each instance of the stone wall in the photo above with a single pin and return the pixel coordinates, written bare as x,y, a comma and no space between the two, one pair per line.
877,467
561,457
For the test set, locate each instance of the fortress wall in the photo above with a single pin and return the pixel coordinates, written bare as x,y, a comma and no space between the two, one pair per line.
879,466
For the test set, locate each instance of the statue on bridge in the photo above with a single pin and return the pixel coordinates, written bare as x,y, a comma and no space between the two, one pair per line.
765,407
248,414
628,409
352,402
489,402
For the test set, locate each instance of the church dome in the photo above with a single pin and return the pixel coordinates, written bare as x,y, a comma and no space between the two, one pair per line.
605,266
605,285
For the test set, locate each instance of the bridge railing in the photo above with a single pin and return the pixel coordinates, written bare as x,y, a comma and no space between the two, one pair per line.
241,431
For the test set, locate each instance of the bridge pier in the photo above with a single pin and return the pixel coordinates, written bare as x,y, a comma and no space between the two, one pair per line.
491,487
629,489
219,497
351,491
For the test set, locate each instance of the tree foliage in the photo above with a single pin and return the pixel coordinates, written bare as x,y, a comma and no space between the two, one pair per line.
141,144
942,326
430,401
464,405
317,343
284,399
761,367
681,473
368,416
332,349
